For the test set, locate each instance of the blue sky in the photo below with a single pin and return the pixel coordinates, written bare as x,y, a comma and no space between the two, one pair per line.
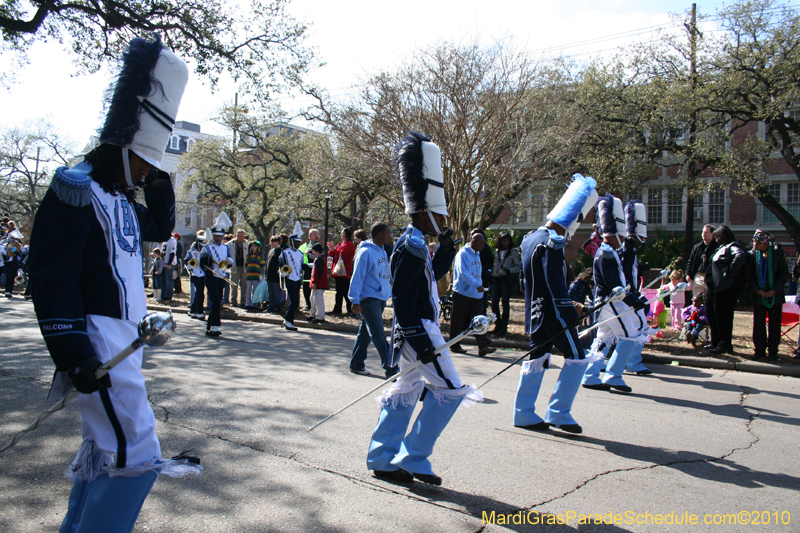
355,38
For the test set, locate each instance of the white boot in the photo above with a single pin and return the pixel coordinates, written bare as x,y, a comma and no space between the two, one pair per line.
156,294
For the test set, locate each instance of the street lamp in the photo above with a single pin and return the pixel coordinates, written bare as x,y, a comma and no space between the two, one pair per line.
328,195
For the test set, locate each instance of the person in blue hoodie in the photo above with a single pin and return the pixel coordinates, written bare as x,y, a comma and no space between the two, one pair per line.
370,287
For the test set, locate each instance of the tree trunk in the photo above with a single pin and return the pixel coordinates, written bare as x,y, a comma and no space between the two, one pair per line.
789,222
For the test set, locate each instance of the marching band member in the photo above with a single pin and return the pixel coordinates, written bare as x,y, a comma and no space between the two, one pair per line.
623,333
10,254
636,225
416,332
291,267
214,260
196,276
549,308
86,276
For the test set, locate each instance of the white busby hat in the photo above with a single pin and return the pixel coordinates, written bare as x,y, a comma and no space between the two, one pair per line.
636,220
576,203
201,235
145,99
222,224
418,165
619,217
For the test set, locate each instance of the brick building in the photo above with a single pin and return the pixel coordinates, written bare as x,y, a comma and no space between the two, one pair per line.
666,205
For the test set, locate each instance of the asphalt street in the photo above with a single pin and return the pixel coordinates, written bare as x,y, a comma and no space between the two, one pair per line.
689,444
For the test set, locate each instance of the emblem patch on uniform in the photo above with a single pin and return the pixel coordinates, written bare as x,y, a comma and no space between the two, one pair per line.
128,227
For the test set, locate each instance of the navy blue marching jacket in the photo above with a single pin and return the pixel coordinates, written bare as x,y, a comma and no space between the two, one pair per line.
608,274
413,274
547,300
71,271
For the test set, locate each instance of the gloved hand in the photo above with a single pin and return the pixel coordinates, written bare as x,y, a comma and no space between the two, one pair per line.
640,303
446,240
427,355
82,376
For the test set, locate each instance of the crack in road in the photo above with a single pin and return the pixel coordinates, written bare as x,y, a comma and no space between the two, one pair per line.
749,426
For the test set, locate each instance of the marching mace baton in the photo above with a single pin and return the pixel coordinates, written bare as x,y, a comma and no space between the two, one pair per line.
617,293
479,326
661,275
155,329
679,287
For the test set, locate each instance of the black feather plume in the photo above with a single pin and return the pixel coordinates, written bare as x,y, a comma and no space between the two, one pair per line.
408,167
135,80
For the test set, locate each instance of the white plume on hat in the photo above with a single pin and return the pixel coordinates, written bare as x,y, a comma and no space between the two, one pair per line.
297,233
222,223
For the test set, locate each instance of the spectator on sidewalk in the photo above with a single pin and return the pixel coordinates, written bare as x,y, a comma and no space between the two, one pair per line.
468,290
346,250
728,274
319,284
768,273
274,277
507,266
238,251
370,287
699,260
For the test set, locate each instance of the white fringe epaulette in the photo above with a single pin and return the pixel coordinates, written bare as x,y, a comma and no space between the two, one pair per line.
589,359
469,393
73,186
417,246
535,366
91,462
394,397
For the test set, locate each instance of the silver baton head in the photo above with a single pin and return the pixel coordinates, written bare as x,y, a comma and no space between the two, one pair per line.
480,324
663,274
157,328
617,293
680,286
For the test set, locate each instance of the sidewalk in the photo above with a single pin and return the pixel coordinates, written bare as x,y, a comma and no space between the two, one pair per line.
693,361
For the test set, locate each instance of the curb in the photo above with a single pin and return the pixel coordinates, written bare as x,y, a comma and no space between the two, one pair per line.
753,367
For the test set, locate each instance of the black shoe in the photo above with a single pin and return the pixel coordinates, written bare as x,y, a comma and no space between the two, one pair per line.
724,349
456,348
645,372
430,479
319,321
598,386
541,426
772,358
394,475
757,356
570,428
621,388
486,350
310,319
709,346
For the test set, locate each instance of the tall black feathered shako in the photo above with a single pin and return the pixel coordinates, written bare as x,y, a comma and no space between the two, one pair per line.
605,216
408,166
133,85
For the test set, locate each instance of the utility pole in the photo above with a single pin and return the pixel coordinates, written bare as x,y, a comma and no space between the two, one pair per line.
691,167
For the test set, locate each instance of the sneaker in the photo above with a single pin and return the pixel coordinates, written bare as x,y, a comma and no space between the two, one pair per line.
353,315
310,319
363,372
289,326
27,296
319,321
